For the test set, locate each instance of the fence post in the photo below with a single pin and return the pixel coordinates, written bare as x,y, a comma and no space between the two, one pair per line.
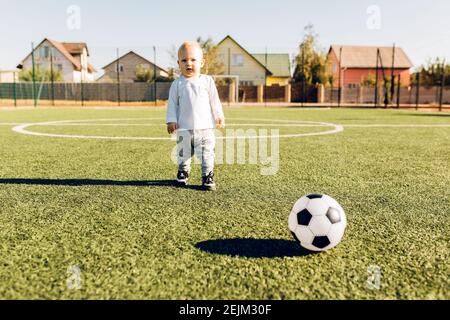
287,93
361,94
81,89
320,93
331,94
231,92
260,93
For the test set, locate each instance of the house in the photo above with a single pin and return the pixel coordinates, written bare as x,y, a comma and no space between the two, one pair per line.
279,65
357,63
127,64
9,76
253,69
70,58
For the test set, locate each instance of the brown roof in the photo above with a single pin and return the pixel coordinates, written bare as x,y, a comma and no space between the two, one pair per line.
366,57
68,49
75,48
132,52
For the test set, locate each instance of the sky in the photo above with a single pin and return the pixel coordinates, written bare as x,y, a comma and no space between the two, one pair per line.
421,28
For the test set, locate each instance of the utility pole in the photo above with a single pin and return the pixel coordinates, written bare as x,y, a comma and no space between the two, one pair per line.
376,80
118,77
229,73
340,84
14,90
33,76
303,73
52,80
442,85
265,79
392,74
154,74
417,88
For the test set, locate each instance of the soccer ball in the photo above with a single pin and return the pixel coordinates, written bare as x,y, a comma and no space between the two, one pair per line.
317,222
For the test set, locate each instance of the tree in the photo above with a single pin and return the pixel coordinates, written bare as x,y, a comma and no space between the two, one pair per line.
144,74
431,73
171,74
40,75
174,69
147,75
369,81
311,61
212,65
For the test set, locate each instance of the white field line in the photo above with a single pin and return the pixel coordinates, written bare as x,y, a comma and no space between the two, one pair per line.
291,124
163,124
91,120
23,130
250,125
395,125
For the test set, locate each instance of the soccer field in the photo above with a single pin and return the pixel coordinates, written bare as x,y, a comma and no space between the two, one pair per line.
88,208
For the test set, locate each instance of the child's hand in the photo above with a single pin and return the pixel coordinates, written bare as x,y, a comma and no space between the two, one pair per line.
171,127
220,122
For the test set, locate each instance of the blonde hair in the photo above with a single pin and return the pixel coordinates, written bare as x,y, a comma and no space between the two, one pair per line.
189,44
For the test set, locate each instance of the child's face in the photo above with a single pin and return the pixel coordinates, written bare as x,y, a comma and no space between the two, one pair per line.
190,60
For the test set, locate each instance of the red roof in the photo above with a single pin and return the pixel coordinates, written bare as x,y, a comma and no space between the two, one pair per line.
69,50
366,57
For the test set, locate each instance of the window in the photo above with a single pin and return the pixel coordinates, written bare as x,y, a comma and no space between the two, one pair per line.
334,68
120,67
246,83
44,52
238,60
59,67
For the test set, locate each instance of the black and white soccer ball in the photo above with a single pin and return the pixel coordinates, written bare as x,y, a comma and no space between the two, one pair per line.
317,222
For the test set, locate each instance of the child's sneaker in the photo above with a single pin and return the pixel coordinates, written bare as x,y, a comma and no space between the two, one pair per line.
182,177
208,182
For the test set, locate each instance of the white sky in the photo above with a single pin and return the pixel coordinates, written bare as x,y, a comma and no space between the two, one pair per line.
421,28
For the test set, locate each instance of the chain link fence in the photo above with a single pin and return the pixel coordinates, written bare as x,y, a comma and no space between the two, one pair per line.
117,82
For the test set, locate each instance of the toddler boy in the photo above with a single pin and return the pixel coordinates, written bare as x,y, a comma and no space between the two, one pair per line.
193,111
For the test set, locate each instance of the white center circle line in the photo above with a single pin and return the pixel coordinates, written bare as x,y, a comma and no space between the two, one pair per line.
23,129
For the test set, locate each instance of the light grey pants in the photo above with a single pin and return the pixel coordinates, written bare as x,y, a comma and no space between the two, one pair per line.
202,143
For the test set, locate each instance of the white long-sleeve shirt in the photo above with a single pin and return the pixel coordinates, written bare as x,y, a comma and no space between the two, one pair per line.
194,103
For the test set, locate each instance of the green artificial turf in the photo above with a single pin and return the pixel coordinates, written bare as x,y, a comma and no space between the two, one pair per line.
107,207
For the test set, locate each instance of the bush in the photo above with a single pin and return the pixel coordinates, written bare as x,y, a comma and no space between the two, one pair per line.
40,75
